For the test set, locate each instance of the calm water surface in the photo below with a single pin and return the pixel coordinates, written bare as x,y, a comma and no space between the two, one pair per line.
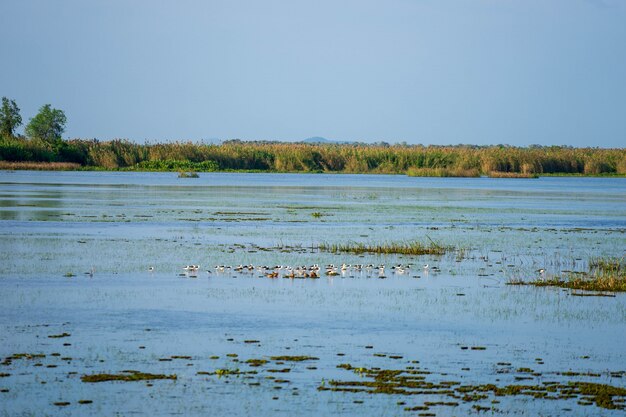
108,229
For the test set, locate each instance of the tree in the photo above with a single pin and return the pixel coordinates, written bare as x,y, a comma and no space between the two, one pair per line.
48,125
10,117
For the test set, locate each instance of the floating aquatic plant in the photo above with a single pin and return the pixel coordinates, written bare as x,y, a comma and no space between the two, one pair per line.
293,358
126,376
413,382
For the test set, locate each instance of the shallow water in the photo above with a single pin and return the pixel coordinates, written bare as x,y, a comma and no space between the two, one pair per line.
107,229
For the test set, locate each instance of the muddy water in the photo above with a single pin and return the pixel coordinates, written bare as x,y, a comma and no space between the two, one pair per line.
95,259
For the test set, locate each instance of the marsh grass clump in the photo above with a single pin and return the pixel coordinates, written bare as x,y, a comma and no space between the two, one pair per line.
609,265
126,376
604,275
404,248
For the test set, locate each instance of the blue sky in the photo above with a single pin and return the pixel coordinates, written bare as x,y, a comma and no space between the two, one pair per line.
518,72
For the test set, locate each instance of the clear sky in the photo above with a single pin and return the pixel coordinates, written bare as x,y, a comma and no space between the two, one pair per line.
516,72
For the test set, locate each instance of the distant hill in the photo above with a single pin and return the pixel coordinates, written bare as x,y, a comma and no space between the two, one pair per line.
318,139
321,140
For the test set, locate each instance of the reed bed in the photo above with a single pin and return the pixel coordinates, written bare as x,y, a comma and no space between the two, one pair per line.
404,248
380,158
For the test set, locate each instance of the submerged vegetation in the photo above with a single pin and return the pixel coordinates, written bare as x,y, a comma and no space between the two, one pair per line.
293,358
604,275
381,158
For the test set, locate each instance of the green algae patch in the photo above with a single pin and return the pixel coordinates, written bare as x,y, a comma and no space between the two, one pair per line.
412,381
256,362
602,395
282,370
227,372
59,336
293,358
127,376
18,356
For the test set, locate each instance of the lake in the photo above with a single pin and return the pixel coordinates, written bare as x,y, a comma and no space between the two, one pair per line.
92,283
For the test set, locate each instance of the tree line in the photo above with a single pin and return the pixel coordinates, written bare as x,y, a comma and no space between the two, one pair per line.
43,143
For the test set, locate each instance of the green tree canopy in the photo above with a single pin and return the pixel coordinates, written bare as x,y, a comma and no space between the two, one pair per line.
10,117
48,125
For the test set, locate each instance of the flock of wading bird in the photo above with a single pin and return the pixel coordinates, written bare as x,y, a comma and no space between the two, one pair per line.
314,271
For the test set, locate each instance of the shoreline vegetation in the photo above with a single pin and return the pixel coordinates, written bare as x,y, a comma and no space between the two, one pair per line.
497,161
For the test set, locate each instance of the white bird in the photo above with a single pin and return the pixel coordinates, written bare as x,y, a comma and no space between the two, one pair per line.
542,272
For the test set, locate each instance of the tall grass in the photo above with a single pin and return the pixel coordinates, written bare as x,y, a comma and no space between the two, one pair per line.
610,265
461,160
